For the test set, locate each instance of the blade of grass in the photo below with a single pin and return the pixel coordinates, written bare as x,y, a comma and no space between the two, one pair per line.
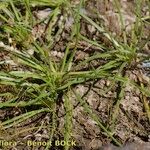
16,12
68,119
94,117
101,47
117,4
16,120
101,30
75,34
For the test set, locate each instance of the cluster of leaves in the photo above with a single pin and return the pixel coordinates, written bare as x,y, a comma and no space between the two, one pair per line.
45,80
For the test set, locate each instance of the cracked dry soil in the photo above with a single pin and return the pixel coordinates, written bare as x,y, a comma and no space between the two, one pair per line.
131,126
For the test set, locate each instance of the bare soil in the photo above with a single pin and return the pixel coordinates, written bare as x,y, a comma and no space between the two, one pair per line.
131,126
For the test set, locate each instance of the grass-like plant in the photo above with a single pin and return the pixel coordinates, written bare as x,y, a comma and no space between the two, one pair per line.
43,82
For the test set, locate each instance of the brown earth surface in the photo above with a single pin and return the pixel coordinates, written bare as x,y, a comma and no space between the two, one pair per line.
129,124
